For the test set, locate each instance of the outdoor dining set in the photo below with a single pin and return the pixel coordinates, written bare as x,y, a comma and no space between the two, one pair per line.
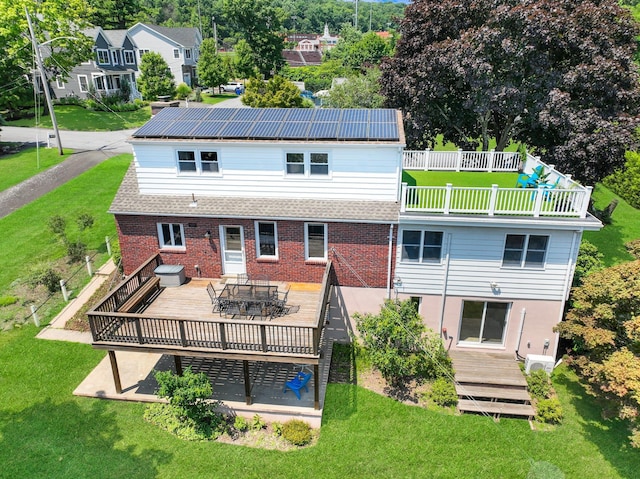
249,298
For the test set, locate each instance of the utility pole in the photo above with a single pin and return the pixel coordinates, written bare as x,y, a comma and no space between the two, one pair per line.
45,83
215,33
356,22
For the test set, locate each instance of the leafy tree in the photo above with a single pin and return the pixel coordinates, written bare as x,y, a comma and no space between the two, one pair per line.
57,21
626,182
258,22
604,325
116,14
244,65
212,70
362,91
155,77
589,261
359,51
275,93
400,345
556,75
317,77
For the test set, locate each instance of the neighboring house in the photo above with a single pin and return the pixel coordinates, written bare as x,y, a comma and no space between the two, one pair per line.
310,42
298,58
280,192
114,61
180,48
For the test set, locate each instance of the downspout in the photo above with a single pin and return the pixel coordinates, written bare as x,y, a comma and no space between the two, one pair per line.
389,261
523,314
575,245
444,283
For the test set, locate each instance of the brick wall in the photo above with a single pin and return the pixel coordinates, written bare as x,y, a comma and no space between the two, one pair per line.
353,247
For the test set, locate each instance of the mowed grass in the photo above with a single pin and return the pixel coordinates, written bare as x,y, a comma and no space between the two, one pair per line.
76,118
460,179
212,99
27,163
26,241
46,432
624,227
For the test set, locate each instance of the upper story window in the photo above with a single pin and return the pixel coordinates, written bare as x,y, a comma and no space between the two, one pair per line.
307,164
114,57
129,57
176,53
525,251
266,239
171,235
315,241
60,82
142,52
209,161
83,82
103,57
187,53
202,162
419,246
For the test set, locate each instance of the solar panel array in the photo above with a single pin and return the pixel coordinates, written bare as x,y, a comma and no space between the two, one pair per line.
273,124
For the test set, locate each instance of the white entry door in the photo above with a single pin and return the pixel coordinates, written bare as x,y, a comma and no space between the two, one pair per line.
233,257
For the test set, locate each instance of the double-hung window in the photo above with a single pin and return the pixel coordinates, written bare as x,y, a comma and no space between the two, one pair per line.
60,82
186,161
525,251
307,164
315,241
176,53
103,57
83,82
266,240
171,235
209,161
129,58
419,246
187,53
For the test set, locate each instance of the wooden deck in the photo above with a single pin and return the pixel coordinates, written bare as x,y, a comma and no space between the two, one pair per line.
491,383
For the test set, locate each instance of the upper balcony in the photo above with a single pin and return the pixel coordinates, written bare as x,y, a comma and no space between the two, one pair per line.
557,196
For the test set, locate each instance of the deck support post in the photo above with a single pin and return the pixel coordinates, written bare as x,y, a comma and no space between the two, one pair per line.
247,384
316,387
114,370
178,362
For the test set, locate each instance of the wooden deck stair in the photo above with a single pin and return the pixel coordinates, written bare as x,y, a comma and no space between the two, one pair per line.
491,383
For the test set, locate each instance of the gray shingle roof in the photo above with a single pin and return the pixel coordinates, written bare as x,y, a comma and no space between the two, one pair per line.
129,201
116,37
185,36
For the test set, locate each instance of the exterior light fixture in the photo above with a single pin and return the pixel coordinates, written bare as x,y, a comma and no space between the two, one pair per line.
207,234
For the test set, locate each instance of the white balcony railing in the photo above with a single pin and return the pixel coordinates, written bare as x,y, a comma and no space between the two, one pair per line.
567,198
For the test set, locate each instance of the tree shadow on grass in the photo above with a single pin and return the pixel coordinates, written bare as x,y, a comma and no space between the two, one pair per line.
64,440
610,436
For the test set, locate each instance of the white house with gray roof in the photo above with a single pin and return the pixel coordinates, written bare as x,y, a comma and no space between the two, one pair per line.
179,46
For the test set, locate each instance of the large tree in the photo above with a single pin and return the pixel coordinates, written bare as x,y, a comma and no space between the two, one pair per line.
275,93
155,77
212,70
116,14
361,91
556,74
60,23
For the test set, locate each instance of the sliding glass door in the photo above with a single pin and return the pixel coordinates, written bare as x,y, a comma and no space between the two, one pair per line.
483,322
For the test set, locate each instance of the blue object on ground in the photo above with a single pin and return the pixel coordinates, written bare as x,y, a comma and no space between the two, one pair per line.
297,383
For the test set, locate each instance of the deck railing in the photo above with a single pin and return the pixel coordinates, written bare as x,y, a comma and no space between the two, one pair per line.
461,160
219,334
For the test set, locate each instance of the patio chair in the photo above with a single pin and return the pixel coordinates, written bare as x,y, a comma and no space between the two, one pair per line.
242,278
527,181
280,304
297,383
260,280
215,300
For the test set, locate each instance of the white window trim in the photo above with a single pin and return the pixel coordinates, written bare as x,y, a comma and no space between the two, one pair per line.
187,53
100,50
95,76
275,237
176,53
525,249
161,238
421,260
60,83
132,55
114,57
306,242
80,83
480,344
198,171
307,165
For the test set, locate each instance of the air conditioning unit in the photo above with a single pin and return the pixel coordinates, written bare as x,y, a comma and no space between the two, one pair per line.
533,362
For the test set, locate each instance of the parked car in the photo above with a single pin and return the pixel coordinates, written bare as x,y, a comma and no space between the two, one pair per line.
232,87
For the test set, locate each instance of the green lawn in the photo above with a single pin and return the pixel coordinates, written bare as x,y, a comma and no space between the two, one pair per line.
29,162
76,118
216,98
25,239
461,179
625,226
45,432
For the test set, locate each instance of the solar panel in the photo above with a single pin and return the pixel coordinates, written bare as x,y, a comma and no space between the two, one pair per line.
383,131
152,128
275,114
180,128
331,114
266,129
208,129
236,129
301,114
352,131
294,130
220,113
248,114
169,113
355,116
323,130
191,114
383,116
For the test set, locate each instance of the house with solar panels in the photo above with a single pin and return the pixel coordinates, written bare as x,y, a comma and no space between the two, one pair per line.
330,197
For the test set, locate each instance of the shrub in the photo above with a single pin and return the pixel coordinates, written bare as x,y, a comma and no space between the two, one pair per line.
46,276
443,393
549,410
257,423
539,384
633,247
7,300
297,432
626,182
241,423
183,91
76,251
84,220
277,428
197,95
57,225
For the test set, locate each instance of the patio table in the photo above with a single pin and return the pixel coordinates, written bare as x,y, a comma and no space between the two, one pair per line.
248,299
